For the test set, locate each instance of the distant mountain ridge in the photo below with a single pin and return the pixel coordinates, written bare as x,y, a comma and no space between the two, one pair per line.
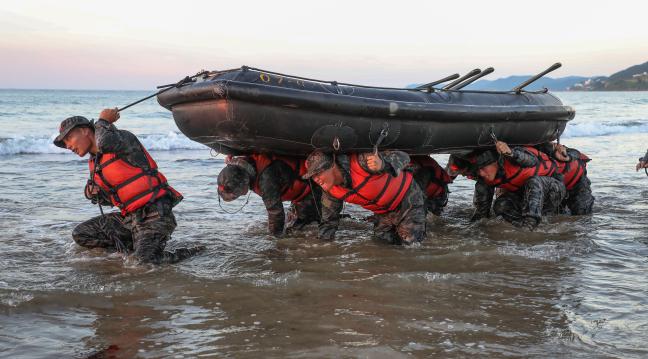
634,78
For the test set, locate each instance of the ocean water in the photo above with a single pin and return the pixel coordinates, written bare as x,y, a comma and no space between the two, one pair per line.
575,288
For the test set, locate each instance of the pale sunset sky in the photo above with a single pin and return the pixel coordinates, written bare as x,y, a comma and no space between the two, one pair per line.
116,44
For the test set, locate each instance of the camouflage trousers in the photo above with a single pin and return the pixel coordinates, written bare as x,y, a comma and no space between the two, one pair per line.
405,224
144,232
540,196
579,199
435,205
305,211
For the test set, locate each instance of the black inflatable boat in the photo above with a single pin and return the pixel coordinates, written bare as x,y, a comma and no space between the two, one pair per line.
251,110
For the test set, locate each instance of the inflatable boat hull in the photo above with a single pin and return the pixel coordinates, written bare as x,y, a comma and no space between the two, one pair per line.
248,111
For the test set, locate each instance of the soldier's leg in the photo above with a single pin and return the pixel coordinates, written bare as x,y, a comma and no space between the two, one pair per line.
304,212
555,193
384,229
542,195
152,228
509,206
436,204
107,231
581,200
411,216
411,229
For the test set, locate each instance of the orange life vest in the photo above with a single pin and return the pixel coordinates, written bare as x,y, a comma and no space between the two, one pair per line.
298,188
573,170
515,176
379,193
127,186
439,179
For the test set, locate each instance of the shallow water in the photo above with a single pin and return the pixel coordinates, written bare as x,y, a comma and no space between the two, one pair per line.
575,288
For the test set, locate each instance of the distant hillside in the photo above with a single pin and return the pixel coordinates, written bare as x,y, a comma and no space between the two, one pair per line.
634,78
508,83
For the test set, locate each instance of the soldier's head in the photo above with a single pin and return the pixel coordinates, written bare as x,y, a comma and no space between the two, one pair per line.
233,182
487,165
458,165
323,170
76,134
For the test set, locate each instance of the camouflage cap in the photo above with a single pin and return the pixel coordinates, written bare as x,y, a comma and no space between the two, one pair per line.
233,182
317,162
67,125
486,158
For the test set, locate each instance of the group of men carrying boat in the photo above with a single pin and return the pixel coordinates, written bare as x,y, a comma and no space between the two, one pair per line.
527,182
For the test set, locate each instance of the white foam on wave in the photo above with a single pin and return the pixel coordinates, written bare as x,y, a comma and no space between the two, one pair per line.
177,141
594,129
43,144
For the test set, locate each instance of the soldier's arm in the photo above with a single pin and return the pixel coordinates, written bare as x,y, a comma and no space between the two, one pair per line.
482,200
573,154
522,157
393,162
94,193
270,184
110,139
331,209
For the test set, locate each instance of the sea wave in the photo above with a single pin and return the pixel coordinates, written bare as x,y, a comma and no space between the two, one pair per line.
595,129
43,144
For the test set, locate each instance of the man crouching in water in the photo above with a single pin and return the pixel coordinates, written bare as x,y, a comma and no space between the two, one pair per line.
529,184
276,179
123,174
376,182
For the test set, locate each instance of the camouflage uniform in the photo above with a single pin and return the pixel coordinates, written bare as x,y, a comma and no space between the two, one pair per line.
424,175
405,224
579,199
273,179
144,231
540,195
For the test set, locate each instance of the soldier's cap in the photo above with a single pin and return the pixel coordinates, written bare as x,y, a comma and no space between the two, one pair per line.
68,125
317,162
232,180
486,158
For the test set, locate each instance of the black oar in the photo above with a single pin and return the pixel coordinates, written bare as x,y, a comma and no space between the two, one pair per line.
518,89
462,78
473,79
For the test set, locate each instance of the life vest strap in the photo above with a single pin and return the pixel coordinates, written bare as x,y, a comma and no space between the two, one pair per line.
154,190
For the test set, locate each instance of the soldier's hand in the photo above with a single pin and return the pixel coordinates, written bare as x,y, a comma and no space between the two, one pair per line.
502,148
109,114
560,152
91,190
641,164
374,162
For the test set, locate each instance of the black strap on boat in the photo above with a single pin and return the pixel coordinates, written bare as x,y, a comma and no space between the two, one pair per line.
383,134
165,88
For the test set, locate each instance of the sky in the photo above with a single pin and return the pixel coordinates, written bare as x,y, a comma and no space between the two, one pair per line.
117,44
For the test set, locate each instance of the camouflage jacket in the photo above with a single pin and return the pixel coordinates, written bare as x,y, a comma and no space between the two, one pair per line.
274,178
483,195
394,162
124,144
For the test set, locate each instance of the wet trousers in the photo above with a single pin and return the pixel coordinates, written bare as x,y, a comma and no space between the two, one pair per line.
144,232
539,196
579,199
405,224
